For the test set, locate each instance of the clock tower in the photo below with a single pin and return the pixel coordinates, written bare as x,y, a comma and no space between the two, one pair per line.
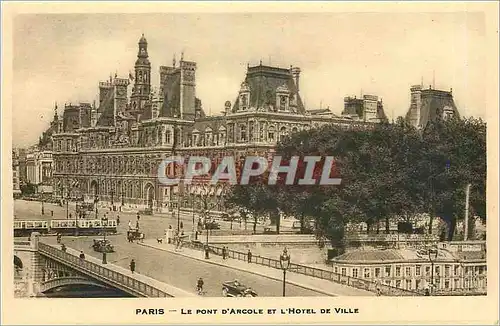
142,79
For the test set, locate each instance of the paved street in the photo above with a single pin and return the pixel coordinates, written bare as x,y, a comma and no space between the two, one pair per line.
180,271
152,225
176,270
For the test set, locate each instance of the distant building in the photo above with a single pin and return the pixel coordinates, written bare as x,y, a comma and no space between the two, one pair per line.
39,169
15,173
368,108
460,267
429,105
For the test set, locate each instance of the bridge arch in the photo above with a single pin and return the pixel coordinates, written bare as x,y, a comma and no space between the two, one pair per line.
55,283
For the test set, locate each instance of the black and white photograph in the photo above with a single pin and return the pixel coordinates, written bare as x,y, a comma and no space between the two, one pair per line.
260,154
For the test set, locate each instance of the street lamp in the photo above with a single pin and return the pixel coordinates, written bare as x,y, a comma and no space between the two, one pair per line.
433,253
43,210
96,200
104,220
192,202
67,203
285,264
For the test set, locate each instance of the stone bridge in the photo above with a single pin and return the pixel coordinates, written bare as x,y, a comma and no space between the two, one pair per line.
40,267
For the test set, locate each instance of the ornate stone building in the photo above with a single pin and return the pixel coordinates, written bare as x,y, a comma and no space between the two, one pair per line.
113,150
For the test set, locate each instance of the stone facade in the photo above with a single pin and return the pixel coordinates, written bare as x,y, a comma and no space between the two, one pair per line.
115,150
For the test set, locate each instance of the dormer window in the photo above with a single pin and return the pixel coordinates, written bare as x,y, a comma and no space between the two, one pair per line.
244,97
283,98
244,102
196,137
447,113
208,137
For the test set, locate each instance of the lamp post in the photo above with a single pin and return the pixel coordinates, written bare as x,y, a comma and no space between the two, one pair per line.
192,203
433,253
67,204
96,201
285,264
43,210
104,220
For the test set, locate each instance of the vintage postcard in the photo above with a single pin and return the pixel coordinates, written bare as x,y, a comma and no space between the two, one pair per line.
194,162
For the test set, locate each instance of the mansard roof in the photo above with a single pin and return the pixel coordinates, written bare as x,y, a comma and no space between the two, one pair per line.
264,82
433,102
107,109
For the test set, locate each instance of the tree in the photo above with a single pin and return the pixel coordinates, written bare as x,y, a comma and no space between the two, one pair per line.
387,171
257,198
455,155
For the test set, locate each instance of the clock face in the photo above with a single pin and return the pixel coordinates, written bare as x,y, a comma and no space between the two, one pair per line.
120,91
189,76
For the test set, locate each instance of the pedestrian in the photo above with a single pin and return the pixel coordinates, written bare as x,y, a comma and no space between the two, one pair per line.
182,225
249,256
138,217
63,247
137,225
223,253
118,220
129,225
132,266
70,216
51,213
82,255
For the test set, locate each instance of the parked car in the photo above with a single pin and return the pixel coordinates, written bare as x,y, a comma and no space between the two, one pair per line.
101,245
236,289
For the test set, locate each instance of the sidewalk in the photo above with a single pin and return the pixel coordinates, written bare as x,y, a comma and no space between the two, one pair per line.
322,286
175,292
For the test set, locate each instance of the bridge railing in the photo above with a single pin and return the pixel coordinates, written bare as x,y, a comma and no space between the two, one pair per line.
367,285
107,274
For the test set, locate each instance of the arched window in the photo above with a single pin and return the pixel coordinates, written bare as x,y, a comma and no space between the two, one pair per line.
282,133
271,133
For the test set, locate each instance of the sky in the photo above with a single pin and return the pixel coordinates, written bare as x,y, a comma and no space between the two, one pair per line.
62,57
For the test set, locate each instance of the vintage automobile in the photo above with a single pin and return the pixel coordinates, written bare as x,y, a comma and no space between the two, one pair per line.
101,245
236,289
134,234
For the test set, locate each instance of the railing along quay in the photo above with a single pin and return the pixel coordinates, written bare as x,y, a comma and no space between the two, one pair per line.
116,279
361,284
